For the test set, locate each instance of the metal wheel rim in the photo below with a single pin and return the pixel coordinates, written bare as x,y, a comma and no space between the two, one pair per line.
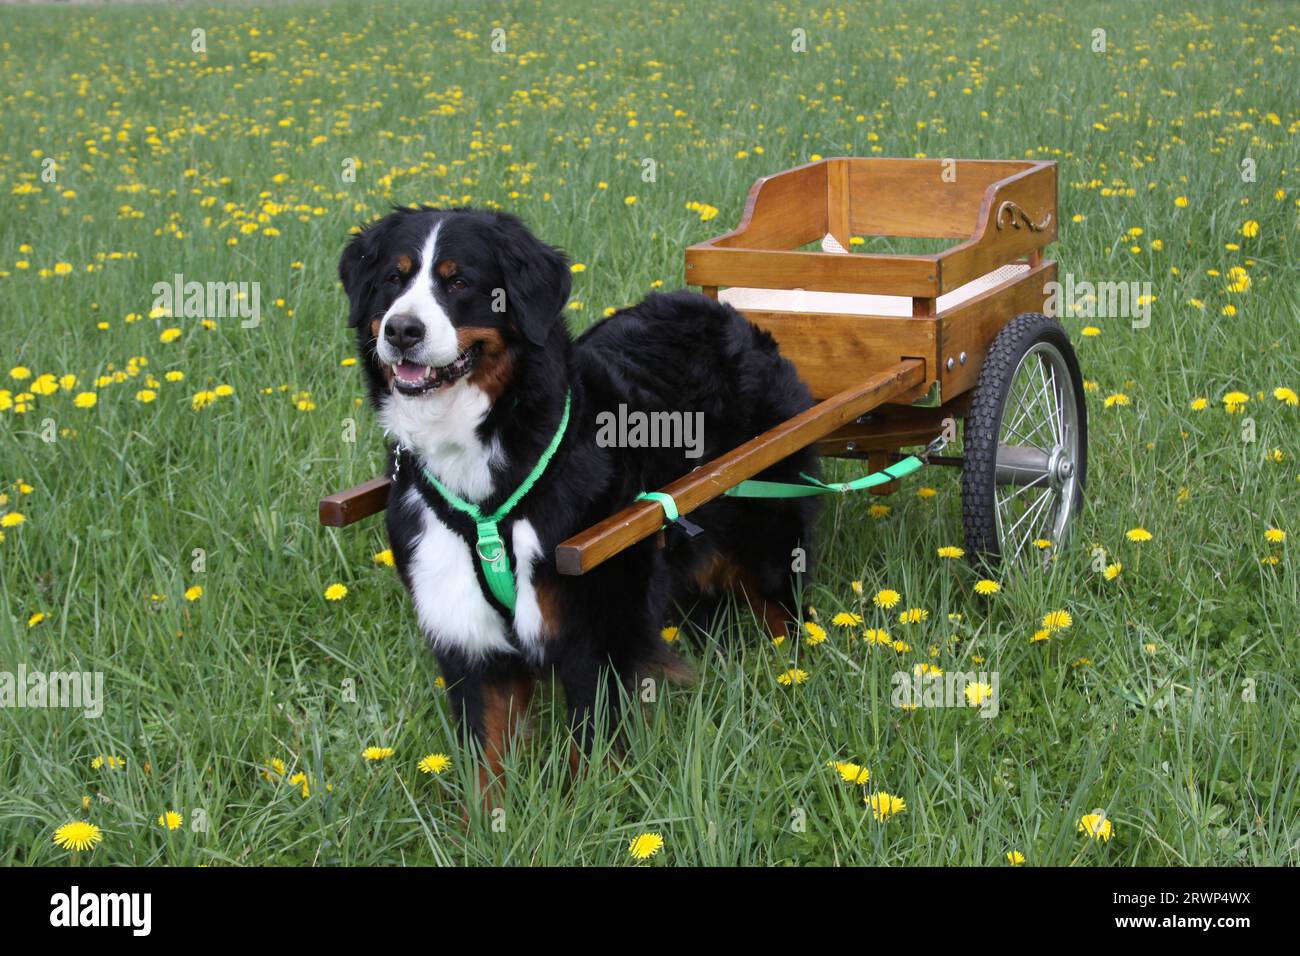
1036,475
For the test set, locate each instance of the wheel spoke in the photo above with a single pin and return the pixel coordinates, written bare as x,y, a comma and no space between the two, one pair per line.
1032,510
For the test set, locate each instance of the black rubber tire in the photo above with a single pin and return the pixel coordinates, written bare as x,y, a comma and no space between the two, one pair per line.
984,425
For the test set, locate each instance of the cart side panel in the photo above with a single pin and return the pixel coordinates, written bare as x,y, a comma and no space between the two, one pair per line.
707,265
972,326
783,211
1017,219
926,198
835,352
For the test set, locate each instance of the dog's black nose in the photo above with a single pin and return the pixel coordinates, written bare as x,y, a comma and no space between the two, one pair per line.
403,331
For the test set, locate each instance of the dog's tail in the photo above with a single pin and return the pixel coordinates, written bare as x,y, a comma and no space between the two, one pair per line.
667,664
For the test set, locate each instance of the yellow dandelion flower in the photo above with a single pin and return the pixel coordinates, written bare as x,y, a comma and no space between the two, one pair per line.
1057,620
1112,571
815,633
384,557
86,399
877,635
1275,535
78,835
1286,396
20,372
885,805
913,615
645,845
886,599
1199,404
1090,331
670,634
336,592
986,586
1040,635
846,619
1096,825
951,551
301,780
1138,535
794,675
977,693
1042,544
434,763
926,492
852,773
1235,402
927,670
1015,858
1116,400
194,592
377,753
1250,228
878,511
36,619
171,820
12,520
856,587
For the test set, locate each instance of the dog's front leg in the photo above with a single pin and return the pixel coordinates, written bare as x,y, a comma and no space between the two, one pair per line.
593,697
489,699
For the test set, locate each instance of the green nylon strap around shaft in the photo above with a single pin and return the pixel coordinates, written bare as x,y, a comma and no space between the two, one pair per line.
490,547
665,501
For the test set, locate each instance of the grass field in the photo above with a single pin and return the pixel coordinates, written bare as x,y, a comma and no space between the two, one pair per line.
146,457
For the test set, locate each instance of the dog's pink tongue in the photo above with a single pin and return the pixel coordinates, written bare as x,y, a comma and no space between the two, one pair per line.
410,373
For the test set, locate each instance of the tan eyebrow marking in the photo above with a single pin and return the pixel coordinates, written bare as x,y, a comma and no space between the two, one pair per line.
404,264
447,268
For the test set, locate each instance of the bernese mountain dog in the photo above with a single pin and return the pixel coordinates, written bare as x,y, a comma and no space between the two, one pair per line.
470,368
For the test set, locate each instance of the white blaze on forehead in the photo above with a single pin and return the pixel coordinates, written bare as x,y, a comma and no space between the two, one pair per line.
439,346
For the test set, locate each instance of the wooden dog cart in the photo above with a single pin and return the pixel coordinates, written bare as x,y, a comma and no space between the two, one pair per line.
872,335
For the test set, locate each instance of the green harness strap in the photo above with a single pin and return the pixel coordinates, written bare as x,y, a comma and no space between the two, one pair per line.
782,489
489,547
752,488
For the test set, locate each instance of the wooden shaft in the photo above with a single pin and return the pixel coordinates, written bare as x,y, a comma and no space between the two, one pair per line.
360,501
642,519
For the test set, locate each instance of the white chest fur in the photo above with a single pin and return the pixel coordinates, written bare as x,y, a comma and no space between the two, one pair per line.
449,603
441,428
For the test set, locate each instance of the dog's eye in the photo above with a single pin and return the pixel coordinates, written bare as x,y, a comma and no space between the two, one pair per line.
394,278
458,282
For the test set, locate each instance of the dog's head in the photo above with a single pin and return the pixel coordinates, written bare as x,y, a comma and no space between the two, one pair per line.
448,299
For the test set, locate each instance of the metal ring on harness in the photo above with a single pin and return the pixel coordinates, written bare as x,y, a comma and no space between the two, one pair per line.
495,543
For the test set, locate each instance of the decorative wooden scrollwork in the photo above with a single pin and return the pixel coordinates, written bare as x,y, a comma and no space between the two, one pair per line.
1010,214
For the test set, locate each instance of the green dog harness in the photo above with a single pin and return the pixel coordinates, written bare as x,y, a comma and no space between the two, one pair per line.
490,547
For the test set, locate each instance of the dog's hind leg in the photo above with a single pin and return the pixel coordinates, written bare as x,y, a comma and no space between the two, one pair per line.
772,563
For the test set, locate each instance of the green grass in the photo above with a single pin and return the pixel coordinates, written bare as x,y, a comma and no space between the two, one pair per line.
1139,708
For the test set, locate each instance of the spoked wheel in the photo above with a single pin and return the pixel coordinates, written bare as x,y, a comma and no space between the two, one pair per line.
1026,445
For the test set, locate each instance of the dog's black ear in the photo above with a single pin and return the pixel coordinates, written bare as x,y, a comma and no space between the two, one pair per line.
357,272
537,279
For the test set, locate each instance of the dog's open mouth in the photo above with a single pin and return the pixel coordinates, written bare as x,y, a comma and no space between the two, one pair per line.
415,379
